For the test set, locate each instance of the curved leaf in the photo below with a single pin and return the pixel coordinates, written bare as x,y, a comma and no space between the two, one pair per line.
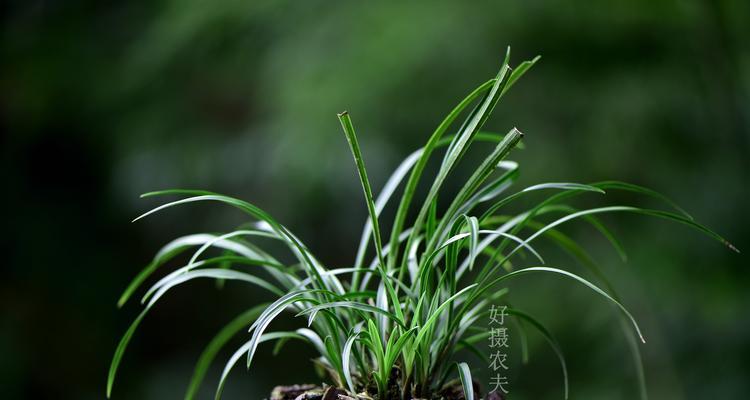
569,275
210,352
465,374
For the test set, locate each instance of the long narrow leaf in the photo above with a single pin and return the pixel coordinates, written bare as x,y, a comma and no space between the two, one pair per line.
466,382
351,137
574,277
209,354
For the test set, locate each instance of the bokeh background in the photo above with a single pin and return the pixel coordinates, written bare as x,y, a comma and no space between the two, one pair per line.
101,101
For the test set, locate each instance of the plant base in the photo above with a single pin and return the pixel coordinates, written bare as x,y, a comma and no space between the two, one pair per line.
313,392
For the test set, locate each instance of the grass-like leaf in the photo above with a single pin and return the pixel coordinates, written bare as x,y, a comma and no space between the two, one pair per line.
209,354
465,374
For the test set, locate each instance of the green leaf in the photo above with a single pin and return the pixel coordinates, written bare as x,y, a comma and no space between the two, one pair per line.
465,374
351,304
550,339
346,358
210,352
426,328
489,164
655,213
617,185
574,277
206,273
299,250
244,349
213,273
519,71
174,248
120,351
394,350
416,174
564,186
269,314
181,272
473,224
351,137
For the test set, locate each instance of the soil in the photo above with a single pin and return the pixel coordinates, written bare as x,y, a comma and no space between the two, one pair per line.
313,392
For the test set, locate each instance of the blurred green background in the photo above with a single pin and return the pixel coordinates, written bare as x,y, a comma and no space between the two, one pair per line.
101,101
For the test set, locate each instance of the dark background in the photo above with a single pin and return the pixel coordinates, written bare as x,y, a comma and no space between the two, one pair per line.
101,101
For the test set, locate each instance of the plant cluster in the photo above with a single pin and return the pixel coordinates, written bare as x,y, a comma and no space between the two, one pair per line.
392,325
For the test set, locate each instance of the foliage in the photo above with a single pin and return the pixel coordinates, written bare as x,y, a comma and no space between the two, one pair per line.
397,325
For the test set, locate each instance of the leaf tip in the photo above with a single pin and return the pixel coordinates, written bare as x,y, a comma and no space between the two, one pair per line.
110,383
